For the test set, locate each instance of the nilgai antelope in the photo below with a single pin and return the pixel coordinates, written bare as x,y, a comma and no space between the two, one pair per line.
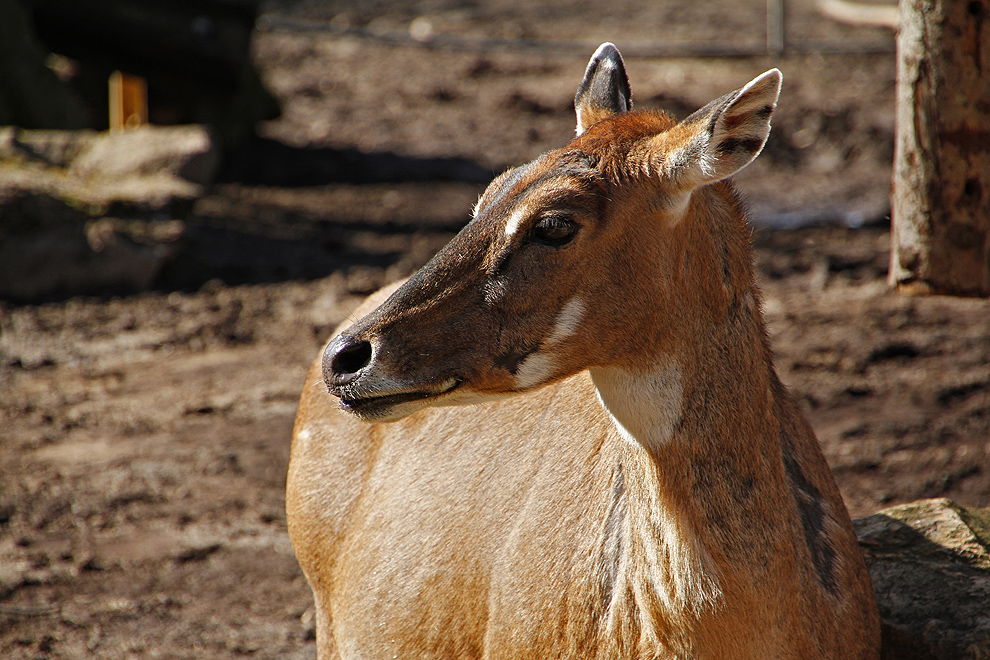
624,475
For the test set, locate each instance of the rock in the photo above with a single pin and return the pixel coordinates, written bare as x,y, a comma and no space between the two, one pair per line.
148,167
186,152
83,212
56,148
930,566
49,248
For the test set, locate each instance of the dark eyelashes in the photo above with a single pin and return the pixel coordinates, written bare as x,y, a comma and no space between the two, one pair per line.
554,230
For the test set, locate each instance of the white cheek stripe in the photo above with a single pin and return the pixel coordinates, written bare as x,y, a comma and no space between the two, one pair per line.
535,369
539,367
568,320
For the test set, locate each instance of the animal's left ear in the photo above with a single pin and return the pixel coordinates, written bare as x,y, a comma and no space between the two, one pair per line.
726,135
604,90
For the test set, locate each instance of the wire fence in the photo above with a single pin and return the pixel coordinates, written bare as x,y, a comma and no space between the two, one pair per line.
775,44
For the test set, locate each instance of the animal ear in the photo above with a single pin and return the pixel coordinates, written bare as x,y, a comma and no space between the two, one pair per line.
604,90
727,134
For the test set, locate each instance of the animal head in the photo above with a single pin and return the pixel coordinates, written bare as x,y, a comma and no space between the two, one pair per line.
607,252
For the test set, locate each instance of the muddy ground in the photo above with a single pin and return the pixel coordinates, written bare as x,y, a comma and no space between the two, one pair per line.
144,438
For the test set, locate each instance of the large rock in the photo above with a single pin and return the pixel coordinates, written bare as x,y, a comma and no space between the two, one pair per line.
50,249
148,167
83,212
185,152
930,566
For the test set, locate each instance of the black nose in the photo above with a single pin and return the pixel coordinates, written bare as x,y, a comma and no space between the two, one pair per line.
344,359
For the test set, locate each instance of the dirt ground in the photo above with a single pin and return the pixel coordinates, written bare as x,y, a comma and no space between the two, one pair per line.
144,439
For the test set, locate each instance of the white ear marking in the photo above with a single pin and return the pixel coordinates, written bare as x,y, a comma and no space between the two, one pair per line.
604,91
772,78
729,133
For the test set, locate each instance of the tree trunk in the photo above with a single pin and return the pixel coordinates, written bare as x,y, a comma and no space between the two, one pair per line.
940,239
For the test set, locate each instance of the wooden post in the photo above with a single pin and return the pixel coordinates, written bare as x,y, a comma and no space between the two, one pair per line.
128,101
940,241
776,32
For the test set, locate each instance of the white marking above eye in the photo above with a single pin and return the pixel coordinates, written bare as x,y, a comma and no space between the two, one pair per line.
512,225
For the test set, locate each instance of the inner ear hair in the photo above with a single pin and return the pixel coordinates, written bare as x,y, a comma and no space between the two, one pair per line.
728,133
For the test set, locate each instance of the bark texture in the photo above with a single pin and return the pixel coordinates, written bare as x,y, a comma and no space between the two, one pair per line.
941,189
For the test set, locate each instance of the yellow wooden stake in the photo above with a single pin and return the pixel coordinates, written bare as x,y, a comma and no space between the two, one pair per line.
128,101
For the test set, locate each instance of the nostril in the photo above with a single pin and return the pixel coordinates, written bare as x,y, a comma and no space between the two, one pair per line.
351,358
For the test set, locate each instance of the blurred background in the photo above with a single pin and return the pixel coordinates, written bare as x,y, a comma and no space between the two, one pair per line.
302,95
164,285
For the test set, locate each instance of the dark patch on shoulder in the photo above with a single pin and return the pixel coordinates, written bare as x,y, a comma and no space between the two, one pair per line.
811,508
611,550
727,268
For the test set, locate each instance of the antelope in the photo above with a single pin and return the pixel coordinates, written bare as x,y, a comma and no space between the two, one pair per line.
564,437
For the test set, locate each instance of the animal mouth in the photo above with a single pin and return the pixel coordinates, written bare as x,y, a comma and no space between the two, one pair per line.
369,405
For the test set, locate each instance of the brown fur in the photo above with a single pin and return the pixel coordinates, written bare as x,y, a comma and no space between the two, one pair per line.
531,526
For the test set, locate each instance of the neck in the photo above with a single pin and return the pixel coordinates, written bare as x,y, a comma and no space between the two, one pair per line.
694,399
697,435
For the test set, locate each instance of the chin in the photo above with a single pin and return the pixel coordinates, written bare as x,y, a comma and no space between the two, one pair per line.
382,411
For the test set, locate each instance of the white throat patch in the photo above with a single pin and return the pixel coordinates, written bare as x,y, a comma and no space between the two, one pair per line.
645,406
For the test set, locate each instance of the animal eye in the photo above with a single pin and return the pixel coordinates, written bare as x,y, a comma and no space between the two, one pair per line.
555,230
